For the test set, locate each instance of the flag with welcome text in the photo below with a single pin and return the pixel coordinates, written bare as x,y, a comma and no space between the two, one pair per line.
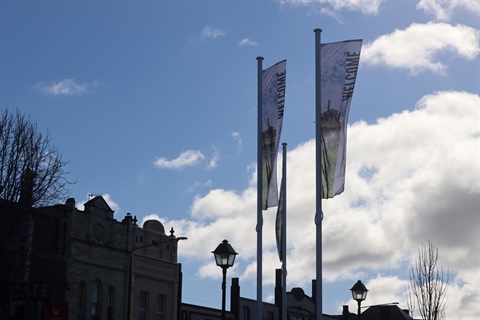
339,66
273,104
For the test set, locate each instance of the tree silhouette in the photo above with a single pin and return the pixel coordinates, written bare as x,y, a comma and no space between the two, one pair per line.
31,169
32,174
428,284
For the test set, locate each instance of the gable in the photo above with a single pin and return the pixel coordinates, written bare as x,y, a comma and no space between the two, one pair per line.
98,205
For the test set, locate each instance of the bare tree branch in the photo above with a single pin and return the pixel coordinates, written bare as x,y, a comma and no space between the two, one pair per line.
25,150
428,284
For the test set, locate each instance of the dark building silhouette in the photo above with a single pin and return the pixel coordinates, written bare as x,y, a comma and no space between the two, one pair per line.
35,250
59,262
155,288
390,312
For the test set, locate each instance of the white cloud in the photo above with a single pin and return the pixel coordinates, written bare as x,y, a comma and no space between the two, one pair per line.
443,10
188,158
212,32
232,202
66,87
185,159
422,43
332,13
199,185
392,288
247,42
214,158
411,177
236,136
370,7
112,204
213,163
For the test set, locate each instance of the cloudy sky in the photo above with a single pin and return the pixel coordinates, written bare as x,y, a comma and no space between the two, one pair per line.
153,103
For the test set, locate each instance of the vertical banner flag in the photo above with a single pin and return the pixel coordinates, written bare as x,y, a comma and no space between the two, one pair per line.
279,221
339,65
273,103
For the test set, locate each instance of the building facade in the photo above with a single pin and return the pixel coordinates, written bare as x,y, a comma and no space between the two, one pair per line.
64,263
99,268
35,250
155,277
299,307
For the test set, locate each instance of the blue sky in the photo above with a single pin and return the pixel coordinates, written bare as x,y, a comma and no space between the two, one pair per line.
154,105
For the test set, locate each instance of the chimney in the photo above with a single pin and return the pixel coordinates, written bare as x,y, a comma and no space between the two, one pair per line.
235,298
345,312
70,202
26,188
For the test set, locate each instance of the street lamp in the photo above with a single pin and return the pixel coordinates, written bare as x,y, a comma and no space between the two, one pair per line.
224,257
359,293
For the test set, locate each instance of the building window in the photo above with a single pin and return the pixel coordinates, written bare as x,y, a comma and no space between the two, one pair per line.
96,299
246,313
160,307
111,295
143,305
83,298
270,315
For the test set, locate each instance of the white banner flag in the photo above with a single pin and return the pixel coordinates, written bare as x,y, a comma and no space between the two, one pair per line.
339,66
273,103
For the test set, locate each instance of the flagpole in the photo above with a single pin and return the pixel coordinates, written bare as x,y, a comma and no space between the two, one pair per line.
259,188
318,176
284,233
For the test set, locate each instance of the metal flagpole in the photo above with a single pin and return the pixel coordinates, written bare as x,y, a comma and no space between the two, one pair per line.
318,176
284,233
259,188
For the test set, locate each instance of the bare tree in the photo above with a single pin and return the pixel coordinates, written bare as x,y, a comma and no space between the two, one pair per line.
428,284
31,169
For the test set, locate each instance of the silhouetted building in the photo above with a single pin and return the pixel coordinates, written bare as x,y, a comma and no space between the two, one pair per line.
35,249
299,307
60,262
386,312
65,262
99,267
155,278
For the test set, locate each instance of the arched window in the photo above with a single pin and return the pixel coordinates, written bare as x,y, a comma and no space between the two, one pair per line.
96,300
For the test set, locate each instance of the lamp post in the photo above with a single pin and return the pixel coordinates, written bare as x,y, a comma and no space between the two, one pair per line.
224,257
359,293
